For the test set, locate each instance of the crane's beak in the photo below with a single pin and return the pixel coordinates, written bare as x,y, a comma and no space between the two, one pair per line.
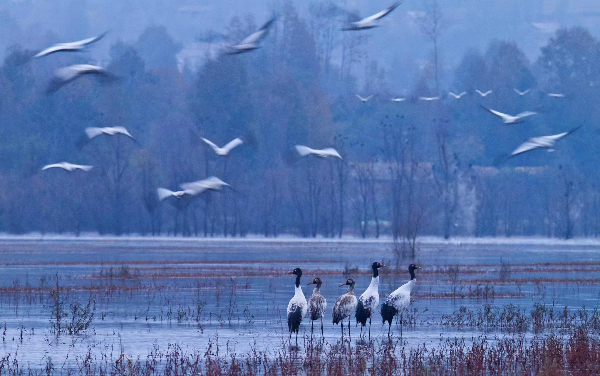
311,283
344,284
292,272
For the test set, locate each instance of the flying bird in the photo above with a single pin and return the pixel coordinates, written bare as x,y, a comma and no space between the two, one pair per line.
398,99
509,119
251,42
522,93
209,184
164,193
371,21
323,153
429,99
484,94
70,167
543,142
63,76
224,151
398,300
71,46
364,100
93,132
556,95
457,96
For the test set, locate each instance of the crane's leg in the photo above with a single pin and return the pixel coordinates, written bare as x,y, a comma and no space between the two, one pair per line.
322,327
401,325
369,329
342,324
312,327
349,334
390,328
296,338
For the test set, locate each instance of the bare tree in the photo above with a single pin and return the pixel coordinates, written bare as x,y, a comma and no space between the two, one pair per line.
431,25
445,175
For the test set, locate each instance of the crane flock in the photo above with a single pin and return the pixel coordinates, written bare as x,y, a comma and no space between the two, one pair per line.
347,304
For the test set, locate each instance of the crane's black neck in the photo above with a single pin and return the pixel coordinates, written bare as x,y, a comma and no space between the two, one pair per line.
298,280
375,272
412,274
351,288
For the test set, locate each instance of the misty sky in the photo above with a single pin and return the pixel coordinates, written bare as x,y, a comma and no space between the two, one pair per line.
398,44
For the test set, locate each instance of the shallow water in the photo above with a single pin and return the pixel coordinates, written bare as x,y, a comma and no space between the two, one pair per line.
151,293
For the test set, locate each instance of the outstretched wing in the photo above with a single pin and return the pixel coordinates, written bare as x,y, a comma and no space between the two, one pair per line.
163,193
259,34
54,165
331,152
525,114
92,132
381,14
232,144
211,144
304,150
497,113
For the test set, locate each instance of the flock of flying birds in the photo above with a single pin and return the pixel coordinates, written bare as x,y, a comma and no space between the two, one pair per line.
347,304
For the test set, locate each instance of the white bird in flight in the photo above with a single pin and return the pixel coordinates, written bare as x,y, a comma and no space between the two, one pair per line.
251,41
93,132
543,142
71,46
371,21
164,193
457,96
363,99
398,99
429,99
323,153
484,94
63,76
556,95
209,184
224,151
509,119
522,93
70,167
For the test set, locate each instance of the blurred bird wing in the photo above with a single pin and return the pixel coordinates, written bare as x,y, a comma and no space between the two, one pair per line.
164,193
554,137
361,98
304,150
497,113
67,73
331,152
525,114
526,146
53,165
232,144
91,40
81,167
210,143
92,132
50,50
259,34
381,14
122,130
398,99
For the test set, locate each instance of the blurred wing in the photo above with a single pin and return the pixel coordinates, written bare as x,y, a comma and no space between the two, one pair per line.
210,143
91,40
497,113
332,152
93,132
163,193
304,150
83,167
259,34
381,14
525,147
232,144
525,114
50,50
54,165
123,131
361,98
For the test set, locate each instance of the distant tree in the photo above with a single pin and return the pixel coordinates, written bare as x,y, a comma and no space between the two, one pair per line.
157,48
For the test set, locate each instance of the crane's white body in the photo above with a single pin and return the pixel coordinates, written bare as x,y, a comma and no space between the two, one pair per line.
484,94
70,46
371,21
224,151
370,298
509,119
323,153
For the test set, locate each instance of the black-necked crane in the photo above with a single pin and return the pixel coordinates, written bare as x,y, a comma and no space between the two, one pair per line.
297,307
398,300
369,300
345,305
